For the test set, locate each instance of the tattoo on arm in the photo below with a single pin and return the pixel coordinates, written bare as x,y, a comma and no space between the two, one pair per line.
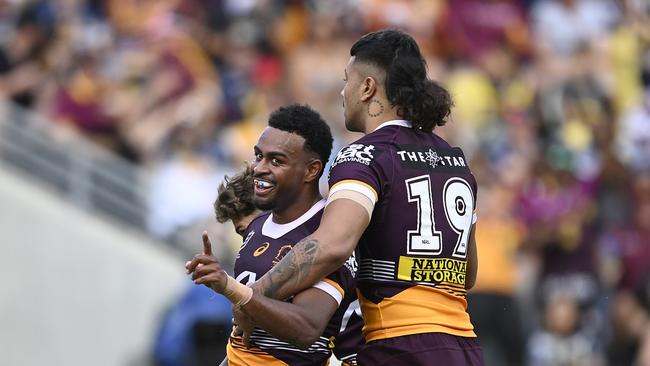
291,270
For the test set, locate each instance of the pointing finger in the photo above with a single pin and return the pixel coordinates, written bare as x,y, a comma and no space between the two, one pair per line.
207,246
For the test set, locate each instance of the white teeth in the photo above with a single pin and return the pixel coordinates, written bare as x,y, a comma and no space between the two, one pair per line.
263,184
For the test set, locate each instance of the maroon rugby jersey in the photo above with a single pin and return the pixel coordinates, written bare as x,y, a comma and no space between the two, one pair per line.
413,253
350,338
264,245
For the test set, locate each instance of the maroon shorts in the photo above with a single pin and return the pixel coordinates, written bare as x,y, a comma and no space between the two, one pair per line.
422,349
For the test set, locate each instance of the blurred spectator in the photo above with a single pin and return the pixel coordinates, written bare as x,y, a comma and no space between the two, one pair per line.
187,172
315,68
492,302
473,29
633,138
562,341
22,67
558,211
627,251
562,27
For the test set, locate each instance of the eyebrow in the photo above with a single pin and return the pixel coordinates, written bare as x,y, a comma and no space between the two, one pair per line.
277,153
270,153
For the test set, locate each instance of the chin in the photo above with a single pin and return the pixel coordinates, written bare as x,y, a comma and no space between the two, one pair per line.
264,204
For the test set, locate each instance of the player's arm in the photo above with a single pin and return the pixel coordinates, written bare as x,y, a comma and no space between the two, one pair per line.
472,261
300,322
341,227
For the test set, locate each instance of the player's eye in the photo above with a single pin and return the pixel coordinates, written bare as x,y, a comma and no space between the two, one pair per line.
258,157
275,161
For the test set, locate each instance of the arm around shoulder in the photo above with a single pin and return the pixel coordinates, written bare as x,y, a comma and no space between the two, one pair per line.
341,227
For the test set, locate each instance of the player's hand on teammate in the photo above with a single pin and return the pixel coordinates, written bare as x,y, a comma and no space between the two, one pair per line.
243,325
205,268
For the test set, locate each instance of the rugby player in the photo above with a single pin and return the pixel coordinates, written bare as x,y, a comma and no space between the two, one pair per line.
289,160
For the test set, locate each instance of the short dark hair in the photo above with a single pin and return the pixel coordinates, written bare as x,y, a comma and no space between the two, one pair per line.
418,99
306,122
235,198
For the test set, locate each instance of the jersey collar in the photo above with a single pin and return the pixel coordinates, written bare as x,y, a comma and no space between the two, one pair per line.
395,122
275,231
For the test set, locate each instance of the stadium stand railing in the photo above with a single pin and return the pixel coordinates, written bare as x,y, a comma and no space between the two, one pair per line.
94,178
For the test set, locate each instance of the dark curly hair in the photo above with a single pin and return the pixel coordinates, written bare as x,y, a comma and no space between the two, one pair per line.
235,198
306,122
418,99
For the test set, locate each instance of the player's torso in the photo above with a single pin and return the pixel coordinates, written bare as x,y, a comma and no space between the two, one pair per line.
265,244
413,253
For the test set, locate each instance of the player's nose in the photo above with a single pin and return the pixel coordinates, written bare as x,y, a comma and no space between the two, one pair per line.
260,168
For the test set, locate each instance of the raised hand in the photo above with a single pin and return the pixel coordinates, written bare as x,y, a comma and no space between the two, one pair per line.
205,268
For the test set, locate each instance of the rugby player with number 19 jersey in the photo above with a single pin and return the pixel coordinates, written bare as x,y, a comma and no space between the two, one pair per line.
406,199
411,280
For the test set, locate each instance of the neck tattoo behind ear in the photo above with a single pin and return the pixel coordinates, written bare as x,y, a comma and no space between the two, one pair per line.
375,110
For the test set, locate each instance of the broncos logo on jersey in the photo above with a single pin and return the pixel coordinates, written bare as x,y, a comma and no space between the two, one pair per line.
281,253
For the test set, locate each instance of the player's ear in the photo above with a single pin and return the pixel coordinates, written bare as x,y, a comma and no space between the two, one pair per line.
368,88
313,170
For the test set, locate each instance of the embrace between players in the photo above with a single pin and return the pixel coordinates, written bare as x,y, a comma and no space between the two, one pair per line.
394,237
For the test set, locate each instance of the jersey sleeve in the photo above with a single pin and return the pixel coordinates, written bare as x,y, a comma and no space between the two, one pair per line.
340,282
357,167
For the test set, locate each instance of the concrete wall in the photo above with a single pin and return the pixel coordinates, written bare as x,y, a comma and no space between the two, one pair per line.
76,289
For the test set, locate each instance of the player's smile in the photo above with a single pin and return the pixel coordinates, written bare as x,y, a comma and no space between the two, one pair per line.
263,187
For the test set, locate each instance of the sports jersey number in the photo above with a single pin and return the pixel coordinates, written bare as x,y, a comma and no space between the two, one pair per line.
459,209
252,277
458,201
424,240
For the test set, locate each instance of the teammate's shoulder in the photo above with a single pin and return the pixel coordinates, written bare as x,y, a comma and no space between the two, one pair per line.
258,221
263,216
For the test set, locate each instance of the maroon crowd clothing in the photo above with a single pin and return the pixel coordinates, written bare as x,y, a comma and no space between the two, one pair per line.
265,244
413,253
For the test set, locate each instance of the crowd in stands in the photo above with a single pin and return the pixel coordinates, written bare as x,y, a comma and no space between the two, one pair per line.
552,107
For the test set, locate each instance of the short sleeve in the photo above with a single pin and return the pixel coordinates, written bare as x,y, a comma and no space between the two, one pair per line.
358,164
340,282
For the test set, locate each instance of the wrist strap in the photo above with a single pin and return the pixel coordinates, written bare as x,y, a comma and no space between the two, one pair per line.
237,293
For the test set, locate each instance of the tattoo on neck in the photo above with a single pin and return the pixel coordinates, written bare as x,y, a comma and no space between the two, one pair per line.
379,111
292,269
